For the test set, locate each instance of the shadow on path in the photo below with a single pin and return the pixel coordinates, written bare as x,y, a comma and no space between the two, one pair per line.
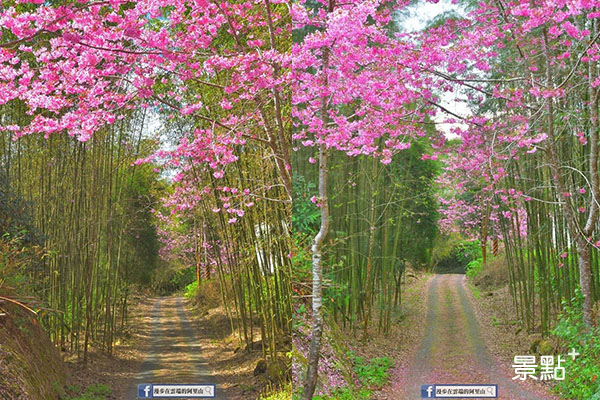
453,350
173,354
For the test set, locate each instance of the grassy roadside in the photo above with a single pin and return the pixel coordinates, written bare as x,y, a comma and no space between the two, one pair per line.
351,369
234,365
371,374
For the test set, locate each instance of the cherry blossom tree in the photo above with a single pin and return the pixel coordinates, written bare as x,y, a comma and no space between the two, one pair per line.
219,70
79,65
358,89
545,77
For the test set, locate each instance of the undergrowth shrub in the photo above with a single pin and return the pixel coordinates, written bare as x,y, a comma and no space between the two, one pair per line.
170,279
452,254
98,391
20,263
474,267
191,290
275,393
205,295
582,379
372,374
305,216
347,393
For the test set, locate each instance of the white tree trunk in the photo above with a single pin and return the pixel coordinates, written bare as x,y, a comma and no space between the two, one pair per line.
317,298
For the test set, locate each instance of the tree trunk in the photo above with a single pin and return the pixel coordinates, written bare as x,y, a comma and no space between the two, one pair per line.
370,254
576,234
585,268
317,300
485,225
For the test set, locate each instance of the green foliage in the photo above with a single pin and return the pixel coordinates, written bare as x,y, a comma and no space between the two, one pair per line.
444,246
474,267
297,318
454,254
372,374
140,194
412,180
582,374
301,258
20,263
98,391
469,250
283,393
171,279
16,215
337,295
20,252
305,215
191,290
347,393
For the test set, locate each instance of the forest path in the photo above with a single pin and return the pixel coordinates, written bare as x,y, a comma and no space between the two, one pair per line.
173,353
453,350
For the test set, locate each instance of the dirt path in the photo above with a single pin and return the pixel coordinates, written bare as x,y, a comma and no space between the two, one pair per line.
453,349
173,354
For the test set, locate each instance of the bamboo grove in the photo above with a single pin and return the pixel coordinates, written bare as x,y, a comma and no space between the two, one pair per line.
383,219
111,213
94,209
543,266
91,208
248,257
549,228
